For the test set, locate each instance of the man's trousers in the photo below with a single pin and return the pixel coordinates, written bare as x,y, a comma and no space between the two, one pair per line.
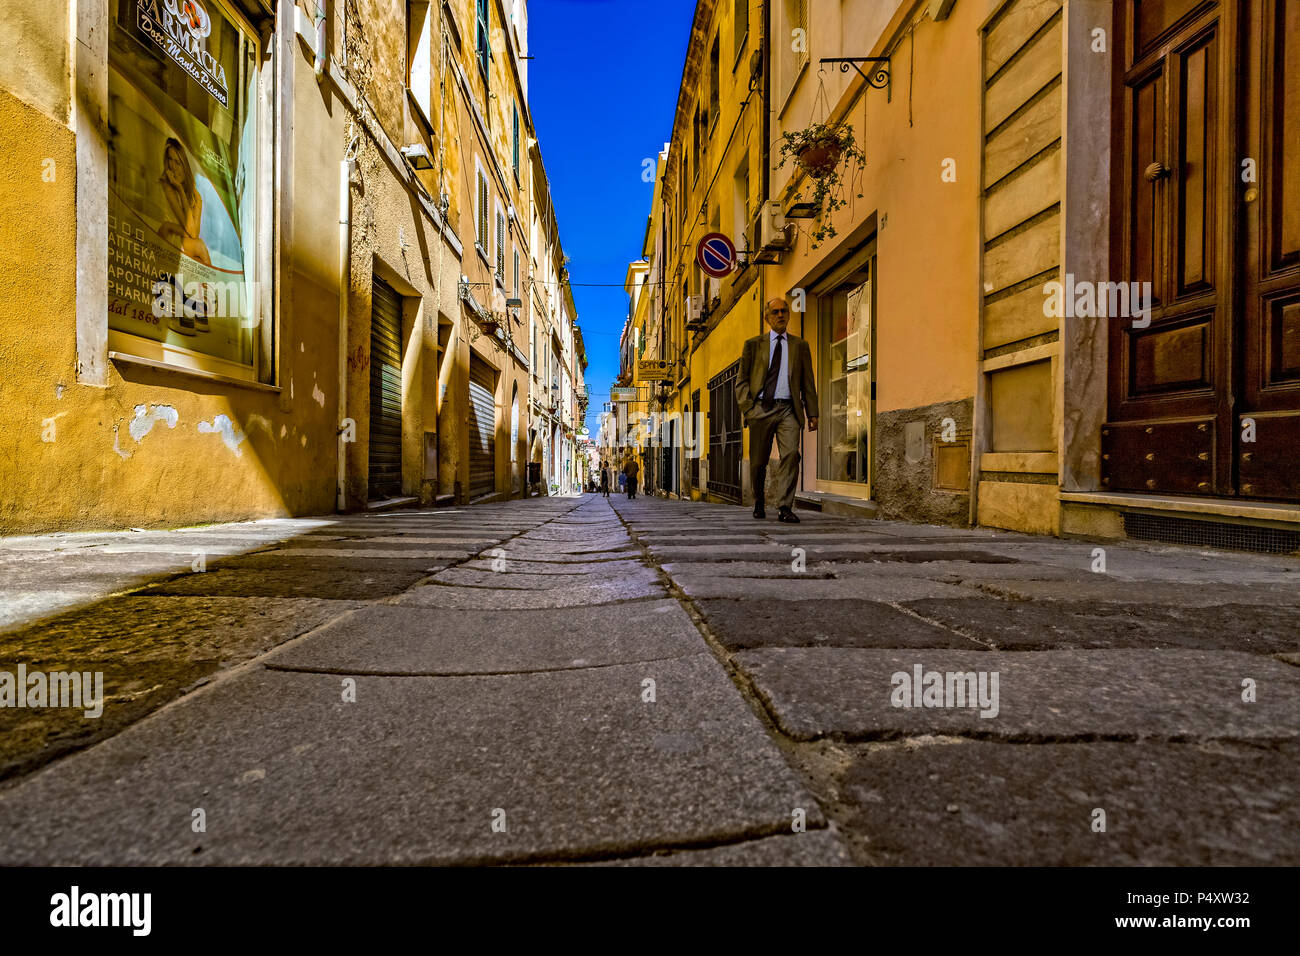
777,424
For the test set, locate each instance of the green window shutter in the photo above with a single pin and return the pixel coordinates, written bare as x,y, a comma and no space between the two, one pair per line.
501,246
515,139
483,35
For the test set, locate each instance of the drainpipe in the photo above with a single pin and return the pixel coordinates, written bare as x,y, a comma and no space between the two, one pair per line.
346,170
322,12
766,100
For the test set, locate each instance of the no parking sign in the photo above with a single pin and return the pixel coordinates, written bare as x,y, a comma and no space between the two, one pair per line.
716,255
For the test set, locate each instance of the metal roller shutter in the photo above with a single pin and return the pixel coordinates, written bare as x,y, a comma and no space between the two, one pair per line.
482,428
385,392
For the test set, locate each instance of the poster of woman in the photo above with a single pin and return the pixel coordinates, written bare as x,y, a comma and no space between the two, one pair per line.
178,212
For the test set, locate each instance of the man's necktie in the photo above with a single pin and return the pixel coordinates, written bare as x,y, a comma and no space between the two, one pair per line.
773,373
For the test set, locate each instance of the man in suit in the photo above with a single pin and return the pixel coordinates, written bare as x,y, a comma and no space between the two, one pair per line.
776,392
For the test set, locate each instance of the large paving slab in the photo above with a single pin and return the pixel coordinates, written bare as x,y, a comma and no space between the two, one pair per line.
389,545
688,539
613,565
827,623
414,640
751,569
343,585
696,553
627,576
809,848
299,561
545,556
1042,695
898,587
1063,625
149,650
90,573
1101,588
976,803
532,547
583,535
412,772
598,591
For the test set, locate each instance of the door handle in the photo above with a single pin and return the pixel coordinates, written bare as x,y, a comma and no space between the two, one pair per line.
1157,171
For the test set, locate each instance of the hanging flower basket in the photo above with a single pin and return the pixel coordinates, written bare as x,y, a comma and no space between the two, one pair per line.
818,149
829,155
819,158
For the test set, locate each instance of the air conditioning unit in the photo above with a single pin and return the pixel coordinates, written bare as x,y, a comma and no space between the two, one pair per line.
694,309
773,233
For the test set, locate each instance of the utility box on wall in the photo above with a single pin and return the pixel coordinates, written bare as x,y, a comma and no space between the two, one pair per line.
952,465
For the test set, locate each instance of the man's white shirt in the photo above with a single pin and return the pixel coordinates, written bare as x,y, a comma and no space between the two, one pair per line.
783,377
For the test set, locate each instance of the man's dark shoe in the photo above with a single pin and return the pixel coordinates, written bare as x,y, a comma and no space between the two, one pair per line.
759,512
787,515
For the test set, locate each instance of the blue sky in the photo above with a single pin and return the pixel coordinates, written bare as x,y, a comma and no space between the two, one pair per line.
603,88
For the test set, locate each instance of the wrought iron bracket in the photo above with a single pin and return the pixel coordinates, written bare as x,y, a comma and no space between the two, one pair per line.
877,77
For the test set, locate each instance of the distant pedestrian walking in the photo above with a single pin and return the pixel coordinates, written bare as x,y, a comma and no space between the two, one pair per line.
632,470
622,482
604,480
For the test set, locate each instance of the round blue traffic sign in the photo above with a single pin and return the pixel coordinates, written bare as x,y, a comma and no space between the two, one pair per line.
716,255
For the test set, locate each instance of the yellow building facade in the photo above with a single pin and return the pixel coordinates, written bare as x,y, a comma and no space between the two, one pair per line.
285,266
964,282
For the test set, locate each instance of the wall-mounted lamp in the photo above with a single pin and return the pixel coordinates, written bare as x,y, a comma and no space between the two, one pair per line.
801,210
417,156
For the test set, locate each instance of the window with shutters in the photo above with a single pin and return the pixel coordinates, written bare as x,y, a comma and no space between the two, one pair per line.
482,50
482,237
681,191
419,65
515,141
516,282
715,95
696,153
740,201
741,22
501,246
793,49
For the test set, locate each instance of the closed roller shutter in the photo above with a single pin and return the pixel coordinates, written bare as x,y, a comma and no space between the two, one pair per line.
385,392
482,428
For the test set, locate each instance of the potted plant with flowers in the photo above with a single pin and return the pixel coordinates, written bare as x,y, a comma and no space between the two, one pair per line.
828,154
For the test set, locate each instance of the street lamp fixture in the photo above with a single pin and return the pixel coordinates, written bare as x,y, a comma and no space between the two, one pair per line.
417,156
801,210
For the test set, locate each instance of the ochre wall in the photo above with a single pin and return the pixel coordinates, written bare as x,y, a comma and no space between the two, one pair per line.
926,304
94,473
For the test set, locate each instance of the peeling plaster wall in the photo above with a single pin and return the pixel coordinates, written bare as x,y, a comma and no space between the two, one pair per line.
166,448
904,483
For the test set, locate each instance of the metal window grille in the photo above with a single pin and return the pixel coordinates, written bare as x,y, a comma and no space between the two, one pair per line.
1211,534
726,434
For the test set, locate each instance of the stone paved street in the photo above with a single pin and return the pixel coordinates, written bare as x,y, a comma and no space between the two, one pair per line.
646,681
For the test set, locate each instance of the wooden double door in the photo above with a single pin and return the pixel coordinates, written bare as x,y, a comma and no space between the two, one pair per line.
1204,391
